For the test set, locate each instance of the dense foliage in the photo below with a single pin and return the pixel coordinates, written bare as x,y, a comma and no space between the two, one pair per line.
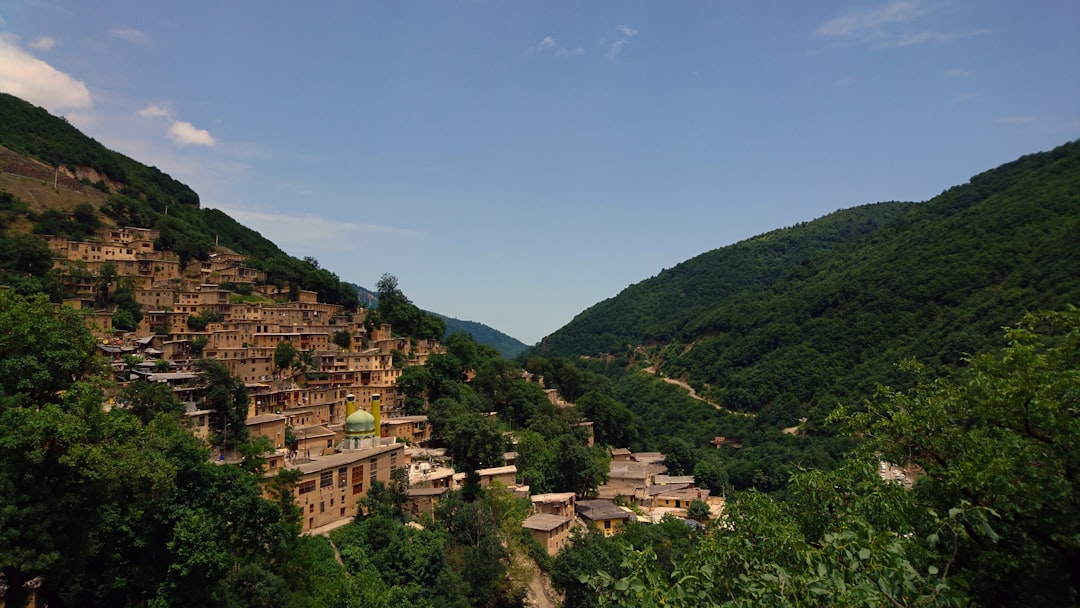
121,506
992,518
403,316
141,197
32,131
860,290
507,346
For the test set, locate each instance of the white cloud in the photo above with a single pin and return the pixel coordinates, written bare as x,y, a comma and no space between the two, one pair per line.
625,34
153,111
180,131
863,22
893,25
299,232
549,45
131,35
185,133
956,73
43,43
26,76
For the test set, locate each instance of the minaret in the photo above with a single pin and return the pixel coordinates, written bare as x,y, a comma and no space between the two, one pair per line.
350,404
376,412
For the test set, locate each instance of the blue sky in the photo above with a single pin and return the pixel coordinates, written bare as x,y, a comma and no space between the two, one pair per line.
515,162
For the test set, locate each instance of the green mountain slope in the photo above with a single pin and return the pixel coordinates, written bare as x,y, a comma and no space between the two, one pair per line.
507,346
934,281
656,309
37,148
32,131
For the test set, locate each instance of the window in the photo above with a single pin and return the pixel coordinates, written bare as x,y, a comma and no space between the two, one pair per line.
341,476
311,508
307,486
607,524
374,464
322,507
326,479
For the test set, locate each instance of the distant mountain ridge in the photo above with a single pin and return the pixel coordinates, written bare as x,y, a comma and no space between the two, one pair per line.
507,346
808,316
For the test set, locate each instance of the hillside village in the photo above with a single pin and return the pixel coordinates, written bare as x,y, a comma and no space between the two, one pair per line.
338,416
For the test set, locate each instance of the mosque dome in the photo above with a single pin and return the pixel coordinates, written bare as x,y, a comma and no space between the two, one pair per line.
360,422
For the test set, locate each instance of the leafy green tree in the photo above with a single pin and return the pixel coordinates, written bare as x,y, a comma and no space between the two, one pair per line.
588,552
343,339
388,499
1000,434
286,356
870,545
25,255
106,278
404,316
698,510
123,320
474,442
227,398
414,383
146,400
613,423
477,551
30,327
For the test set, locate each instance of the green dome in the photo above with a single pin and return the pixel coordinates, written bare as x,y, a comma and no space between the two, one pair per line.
360,423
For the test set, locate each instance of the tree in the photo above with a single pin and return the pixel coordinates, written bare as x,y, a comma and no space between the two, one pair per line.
106,278
343,339
474,442
698,510
227,397
388,499
588,552
413,384
844,538
613,423
29,328
25,255
1001,434
405,317
285,356
146,400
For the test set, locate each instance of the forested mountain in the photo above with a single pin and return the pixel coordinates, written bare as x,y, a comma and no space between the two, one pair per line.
96,187
121,506
507,346
807,316
32,131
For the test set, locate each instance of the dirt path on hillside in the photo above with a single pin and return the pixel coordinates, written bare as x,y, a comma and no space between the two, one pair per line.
689,389
542,593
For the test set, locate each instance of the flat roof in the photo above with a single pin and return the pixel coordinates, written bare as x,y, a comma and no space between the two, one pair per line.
427,491
601,509
343,458
261,418
545,522
553,497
